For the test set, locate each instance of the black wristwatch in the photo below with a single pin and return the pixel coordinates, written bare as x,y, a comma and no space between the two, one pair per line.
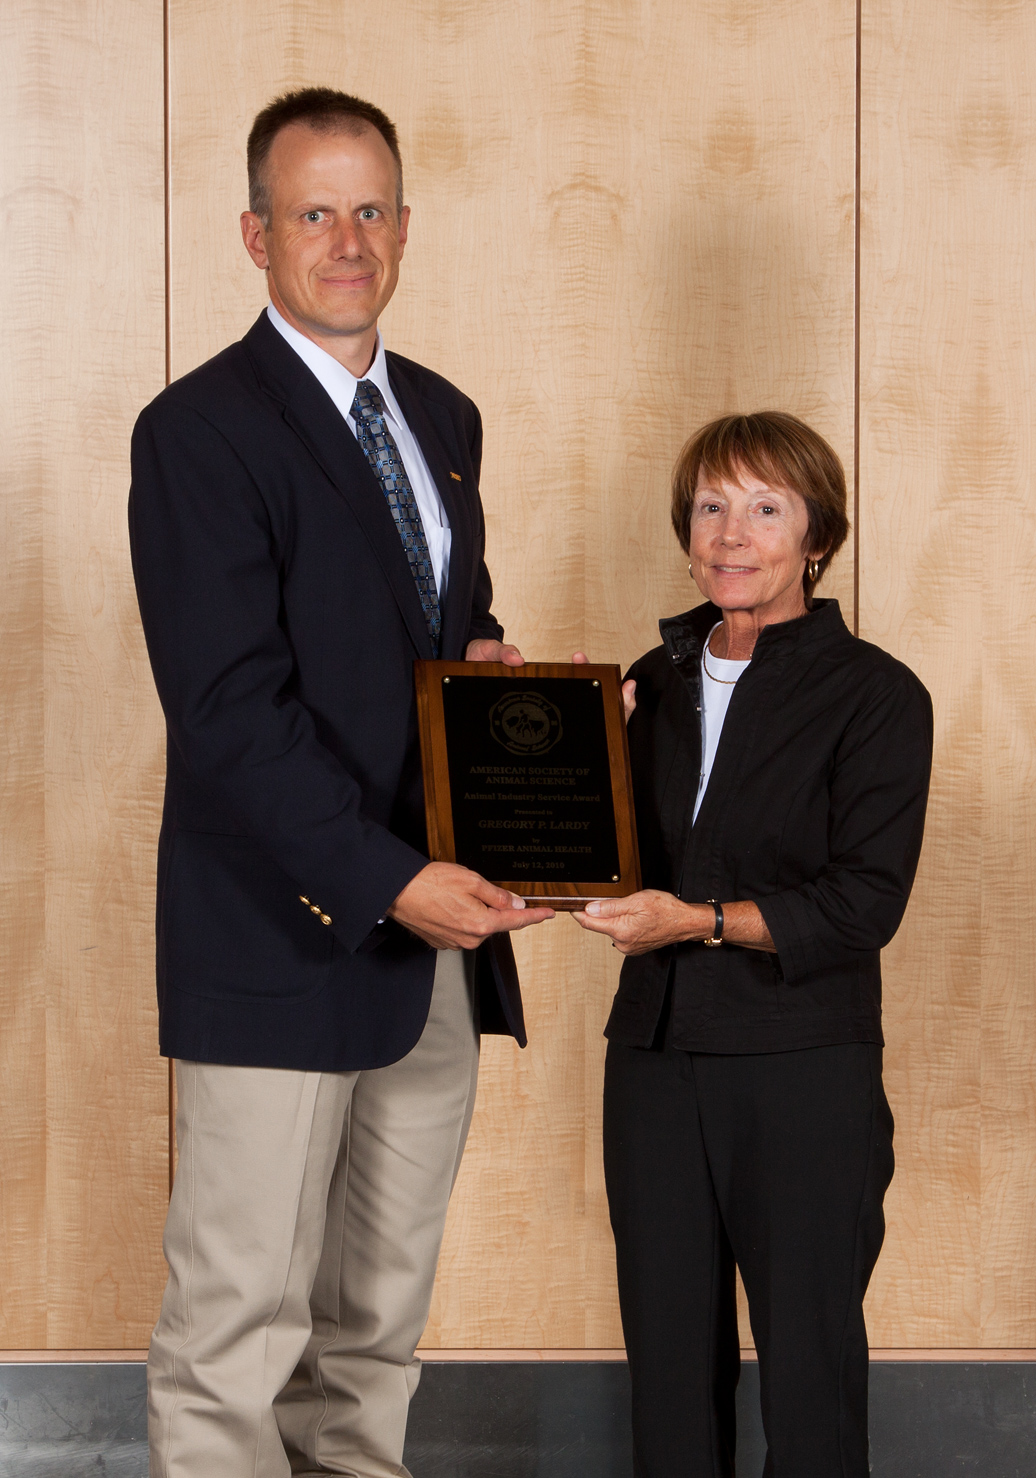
717,933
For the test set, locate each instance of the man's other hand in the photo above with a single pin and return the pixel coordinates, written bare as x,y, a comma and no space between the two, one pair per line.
493,651
451,907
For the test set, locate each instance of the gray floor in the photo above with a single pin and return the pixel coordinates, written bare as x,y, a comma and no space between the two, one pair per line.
571,1421
73,1421
496,1420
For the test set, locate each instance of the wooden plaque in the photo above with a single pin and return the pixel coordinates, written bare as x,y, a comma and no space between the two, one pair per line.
527,778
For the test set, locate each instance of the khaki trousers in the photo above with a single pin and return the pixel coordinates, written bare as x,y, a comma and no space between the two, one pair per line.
303,1233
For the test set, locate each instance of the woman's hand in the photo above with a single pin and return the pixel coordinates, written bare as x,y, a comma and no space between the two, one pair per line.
645,921
651,920
629,689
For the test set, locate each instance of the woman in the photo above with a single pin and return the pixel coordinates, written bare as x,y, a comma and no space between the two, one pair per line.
780,771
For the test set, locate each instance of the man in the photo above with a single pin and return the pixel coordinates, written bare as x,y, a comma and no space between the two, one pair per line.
305,522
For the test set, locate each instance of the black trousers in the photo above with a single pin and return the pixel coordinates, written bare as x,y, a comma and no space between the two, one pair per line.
777,1162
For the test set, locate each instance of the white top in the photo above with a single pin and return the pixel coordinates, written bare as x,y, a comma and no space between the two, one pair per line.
715,696
341,386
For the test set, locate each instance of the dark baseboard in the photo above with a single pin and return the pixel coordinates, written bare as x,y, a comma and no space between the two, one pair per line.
498,1419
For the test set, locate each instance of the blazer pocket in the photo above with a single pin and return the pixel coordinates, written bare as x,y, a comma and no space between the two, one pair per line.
744,985
231,925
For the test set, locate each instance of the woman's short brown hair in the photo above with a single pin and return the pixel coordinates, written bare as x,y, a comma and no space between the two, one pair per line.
781,450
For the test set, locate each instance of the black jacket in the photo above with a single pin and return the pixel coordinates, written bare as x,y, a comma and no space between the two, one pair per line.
815,809
282,623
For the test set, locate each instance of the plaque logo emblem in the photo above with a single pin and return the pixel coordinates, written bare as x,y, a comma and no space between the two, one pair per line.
525,723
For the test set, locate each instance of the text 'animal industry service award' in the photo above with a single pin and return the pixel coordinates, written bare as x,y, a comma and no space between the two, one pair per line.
527,777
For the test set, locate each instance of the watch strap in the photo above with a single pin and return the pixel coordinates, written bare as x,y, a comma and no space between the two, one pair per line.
717,932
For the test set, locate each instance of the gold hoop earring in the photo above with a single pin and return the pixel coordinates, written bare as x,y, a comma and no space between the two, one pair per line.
813,571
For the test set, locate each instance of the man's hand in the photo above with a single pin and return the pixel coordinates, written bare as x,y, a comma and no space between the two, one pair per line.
629,689
493,651
450,907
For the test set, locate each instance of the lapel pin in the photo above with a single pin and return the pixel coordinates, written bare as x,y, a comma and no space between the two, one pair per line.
455,476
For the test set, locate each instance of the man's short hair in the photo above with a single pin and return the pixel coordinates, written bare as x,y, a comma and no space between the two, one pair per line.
325,111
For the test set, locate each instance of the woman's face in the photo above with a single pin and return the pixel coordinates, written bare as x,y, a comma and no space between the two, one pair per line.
748,546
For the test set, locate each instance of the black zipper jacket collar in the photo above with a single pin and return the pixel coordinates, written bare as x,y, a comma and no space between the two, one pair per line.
685,635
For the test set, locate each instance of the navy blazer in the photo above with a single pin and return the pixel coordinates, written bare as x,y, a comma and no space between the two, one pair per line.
282,622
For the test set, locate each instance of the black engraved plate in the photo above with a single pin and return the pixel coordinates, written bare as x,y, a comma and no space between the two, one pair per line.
527,777
530,786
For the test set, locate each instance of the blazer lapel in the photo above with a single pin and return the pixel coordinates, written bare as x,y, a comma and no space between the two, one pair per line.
433,427
314,418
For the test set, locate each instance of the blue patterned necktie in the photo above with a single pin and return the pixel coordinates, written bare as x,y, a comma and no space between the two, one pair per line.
378,447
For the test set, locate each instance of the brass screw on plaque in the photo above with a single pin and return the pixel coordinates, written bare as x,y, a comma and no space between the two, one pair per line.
615,877
596,683
445,679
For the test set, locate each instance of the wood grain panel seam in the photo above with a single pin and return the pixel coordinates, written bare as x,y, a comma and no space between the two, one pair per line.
73,1357
167,165
524,1356
856,319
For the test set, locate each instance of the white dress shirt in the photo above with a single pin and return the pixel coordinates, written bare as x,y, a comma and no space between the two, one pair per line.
715,698
341,386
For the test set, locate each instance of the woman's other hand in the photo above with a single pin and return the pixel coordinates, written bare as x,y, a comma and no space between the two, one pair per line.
629,689
645,921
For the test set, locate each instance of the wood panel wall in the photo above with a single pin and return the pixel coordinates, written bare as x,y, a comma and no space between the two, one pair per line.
668,305
83,1149
947,577
627,217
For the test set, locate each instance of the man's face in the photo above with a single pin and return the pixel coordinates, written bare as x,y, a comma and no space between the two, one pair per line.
334,241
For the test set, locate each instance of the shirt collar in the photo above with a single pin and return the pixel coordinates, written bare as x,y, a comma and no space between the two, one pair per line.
339,383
